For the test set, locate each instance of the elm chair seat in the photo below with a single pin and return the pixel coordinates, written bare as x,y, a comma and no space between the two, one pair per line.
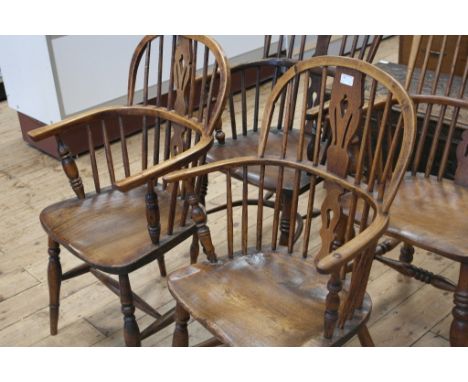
88,228
242,301
428,213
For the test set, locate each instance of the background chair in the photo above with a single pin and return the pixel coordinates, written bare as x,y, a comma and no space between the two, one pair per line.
134,219
436,65
302,47
240,135
430,210
266,293
431,65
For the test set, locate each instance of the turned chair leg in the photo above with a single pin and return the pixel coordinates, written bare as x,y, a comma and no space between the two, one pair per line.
194,249
54,277
459,327
162,266
364,337
406,253
131,330
180,337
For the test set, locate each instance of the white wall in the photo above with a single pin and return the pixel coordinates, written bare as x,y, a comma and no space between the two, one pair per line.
49,78
28,77
91,70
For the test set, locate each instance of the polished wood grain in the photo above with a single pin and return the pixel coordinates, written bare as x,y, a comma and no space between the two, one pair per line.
250,295
242,310
87,228
430,214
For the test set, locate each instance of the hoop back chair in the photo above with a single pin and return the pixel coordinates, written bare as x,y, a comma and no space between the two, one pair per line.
240,134
431,207
437,66
263,293
132,219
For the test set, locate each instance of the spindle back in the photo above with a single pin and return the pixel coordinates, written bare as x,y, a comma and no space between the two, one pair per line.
438,65
246,101
367,150
302,47
295,47
244,109
441,148
438,68
188,74
365,142
361,47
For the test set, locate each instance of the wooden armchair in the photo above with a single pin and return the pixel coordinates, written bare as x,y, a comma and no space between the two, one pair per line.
133,219
431,208
240,136
262,293
436,66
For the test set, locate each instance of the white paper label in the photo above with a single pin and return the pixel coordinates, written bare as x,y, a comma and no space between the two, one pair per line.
346,79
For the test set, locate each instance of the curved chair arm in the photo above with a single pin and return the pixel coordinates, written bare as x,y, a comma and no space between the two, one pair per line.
336,259
193,172
158,170
95,114
138,179
47,131
348,251
441,100
252,160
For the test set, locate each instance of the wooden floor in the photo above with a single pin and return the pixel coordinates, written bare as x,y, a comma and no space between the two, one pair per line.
406,312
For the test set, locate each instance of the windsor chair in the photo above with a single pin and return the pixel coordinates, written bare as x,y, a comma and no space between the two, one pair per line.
133,219
431,65
242,136
265,293
430,209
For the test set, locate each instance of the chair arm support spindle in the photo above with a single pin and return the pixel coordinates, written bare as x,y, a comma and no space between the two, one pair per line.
354,247
199,218
70,168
